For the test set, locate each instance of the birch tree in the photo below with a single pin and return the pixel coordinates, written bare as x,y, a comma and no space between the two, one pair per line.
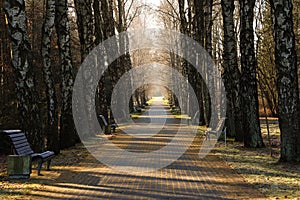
287,80
6,74
231,73
250,119
68,136
85,26
98,19
101,99
23,70
52,109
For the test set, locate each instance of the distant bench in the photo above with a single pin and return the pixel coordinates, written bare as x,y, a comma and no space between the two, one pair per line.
21,147
113,126
217,131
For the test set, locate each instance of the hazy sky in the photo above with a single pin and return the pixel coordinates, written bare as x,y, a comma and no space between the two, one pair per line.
150,18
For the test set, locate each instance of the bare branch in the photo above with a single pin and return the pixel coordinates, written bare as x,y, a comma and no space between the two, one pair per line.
175,11
126,16
163,12
134,15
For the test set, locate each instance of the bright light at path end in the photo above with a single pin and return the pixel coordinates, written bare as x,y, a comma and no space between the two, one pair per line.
153,2
152,21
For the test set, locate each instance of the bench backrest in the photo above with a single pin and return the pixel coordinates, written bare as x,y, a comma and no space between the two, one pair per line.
220,125
196,116
20,142
104,120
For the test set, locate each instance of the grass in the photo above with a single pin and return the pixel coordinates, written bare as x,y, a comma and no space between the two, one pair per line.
182,116
135,115
21,189
276,180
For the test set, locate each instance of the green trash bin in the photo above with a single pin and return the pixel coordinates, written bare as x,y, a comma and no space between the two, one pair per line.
19,167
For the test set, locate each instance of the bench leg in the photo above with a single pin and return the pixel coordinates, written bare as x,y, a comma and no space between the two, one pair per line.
40,163
48,165
207,136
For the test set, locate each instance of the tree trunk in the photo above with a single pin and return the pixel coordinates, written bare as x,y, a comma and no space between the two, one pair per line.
199,22
231,74
4,38
199,34
208,47
101,100
251,123
68,136
23,70
5,66
185,69
85,26
98,21
125,60
208,26
287,80
52,114
109,31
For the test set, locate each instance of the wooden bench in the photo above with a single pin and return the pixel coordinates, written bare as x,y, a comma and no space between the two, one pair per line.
138,109
193,119
21,147
218,130
112,126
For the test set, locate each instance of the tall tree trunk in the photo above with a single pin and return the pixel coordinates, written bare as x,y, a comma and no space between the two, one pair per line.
287,80
23,70
185,70
208,26
251,123
199,37
85,26
68,136
208,47
5,63
231,74
125,60
98,21
199,22
114,69
52,113
101,100
109,31
4,39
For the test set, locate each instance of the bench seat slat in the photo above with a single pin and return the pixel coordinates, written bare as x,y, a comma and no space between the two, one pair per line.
24,151
45,156
22,148
15,139
19,139
16,135
12,131
24,144
20,142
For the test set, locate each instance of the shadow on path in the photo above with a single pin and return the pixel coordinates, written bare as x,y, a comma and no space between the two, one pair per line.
189,177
